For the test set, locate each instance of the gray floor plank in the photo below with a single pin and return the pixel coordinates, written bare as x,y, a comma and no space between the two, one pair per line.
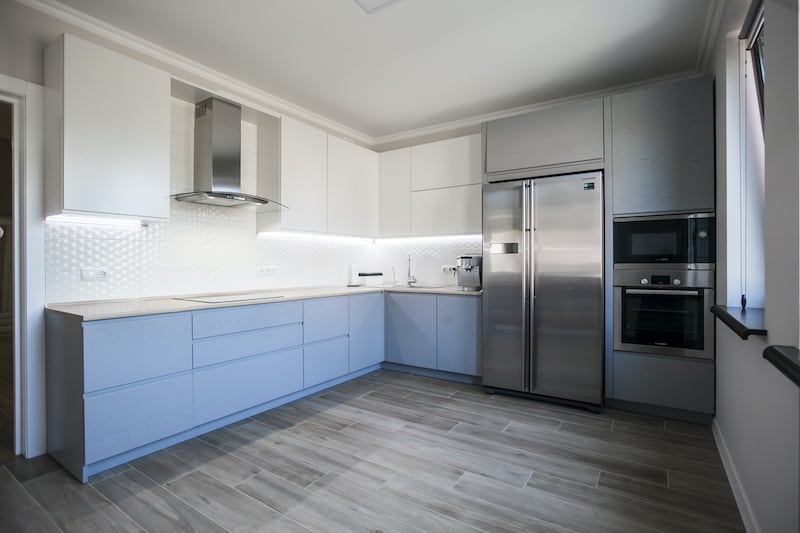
572,471
466,462
491,422
76,507
645,515
18,510
465,509
665,446
395,452
700,506
245,443
331,460
161,466
485,408
152,506
563,449
617,451
315,510
229,507
401,413
378,503
701,486
214,461
292,414
544,506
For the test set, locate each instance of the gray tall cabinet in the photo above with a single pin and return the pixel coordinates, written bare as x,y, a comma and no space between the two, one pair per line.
662,154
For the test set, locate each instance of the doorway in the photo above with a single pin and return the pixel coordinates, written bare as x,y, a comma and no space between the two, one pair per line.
6,283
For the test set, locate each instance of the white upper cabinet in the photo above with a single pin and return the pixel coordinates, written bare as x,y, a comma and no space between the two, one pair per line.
448,163
107,133
304,169
367,192
395,193
341,186
448,211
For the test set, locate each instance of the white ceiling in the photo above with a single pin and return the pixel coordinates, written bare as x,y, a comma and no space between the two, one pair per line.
420,63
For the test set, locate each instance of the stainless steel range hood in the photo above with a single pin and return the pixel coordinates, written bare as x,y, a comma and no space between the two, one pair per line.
217,157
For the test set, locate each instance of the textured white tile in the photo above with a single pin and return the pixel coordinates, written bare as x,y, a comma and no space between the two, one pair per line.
74,254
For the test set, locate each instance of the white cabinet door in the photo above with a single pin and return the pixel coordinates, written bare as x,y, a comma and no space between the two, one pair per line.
367,192
304,168
108,132
395,193
447,163
449,211
341,183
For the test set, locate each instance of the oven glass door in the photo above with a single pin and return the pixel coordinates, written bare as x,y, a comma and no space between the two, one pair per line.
665,318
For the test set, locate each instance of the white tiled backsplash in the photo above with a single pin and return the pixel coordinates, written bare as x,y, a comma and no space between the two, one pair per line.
213,249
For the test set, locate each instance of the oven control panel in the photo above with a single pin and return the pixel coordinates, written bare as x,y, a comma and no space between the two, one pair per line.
664,278
661,280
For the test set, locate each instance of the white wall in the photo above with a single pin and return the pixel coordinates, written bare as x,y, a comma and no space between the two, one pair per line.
757,423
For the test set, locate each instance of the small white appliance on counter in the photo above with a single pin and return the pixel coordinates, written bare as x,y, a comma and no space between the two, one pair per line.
468,272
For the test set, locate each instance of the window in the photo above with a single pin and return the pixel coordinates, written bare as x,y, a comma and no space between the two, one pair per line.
754,39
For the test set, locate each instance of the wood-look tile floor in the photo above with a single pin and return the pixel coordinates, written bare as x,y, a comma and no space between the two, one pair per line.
394,452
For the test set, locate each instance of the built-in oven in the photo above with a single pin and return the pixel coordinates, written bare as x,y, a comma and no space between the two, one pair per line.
664,312
676,241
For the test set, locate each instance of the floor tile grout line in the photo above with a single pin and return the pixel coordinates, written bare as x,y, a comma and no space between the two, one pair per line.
640,449
33,498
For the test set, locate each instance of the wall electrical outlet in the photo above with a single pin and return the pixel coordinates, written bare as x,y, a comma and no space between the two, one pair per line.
94,274
267,270
448,268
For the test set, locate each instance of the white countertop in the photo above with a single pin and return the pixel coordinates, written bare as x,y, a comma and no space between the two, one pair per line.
129,307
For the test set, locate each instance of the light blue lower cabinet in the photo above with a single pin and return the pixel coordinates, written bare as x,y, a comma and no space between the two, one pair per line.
232,387
411,329
458,334
366,330
324,318
229,347
325,360
126,418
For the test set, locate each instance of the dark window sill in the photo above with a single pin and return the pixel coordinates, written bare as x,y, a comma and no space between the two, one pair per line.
786,359
743,322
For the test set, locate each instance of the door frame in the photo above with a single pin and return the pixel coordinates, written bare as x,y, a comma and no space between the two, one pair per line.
27,100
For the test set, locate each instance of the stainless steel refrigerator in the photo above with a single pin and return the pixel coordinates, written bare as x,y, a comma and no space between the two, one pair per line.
543,287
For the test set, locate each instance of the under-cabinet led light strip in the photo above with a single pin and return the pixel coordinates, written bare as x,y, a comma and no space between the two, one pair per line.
92,220
297,235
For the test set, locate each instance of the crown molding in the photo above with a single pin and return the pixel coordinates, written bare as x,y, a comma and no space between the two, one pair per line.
232,89
477,120
257,99
716,9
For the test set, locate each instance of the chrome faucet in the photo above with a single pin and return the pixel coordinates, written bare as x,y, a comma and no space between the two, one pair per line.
410,278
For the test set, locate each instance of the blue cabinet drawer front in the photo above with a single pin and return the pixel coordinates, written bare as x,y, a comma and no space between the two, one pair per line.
324,318
230,388
229,347
127,350
325,360
127,418
366,330
246,318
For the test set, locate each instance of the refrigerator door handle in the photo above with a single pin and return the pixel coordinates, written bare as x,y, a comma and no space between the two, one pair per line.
529,277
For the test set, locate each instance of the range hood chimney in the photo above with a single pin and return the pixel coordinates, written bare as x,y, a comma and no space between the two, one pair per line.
217,157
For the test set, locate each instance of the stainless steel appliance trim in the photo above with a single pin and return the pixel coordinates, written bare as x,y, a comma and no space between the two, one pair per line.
708,332
679,216
503,247
527,281
664,266
664,292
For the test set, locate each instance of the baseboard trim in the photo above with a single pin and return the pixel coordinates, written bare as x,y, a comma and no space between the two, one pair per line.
742,501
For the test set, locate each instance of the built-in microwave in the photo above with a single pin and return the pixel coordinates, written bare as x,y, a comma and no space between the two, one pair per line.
679,241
